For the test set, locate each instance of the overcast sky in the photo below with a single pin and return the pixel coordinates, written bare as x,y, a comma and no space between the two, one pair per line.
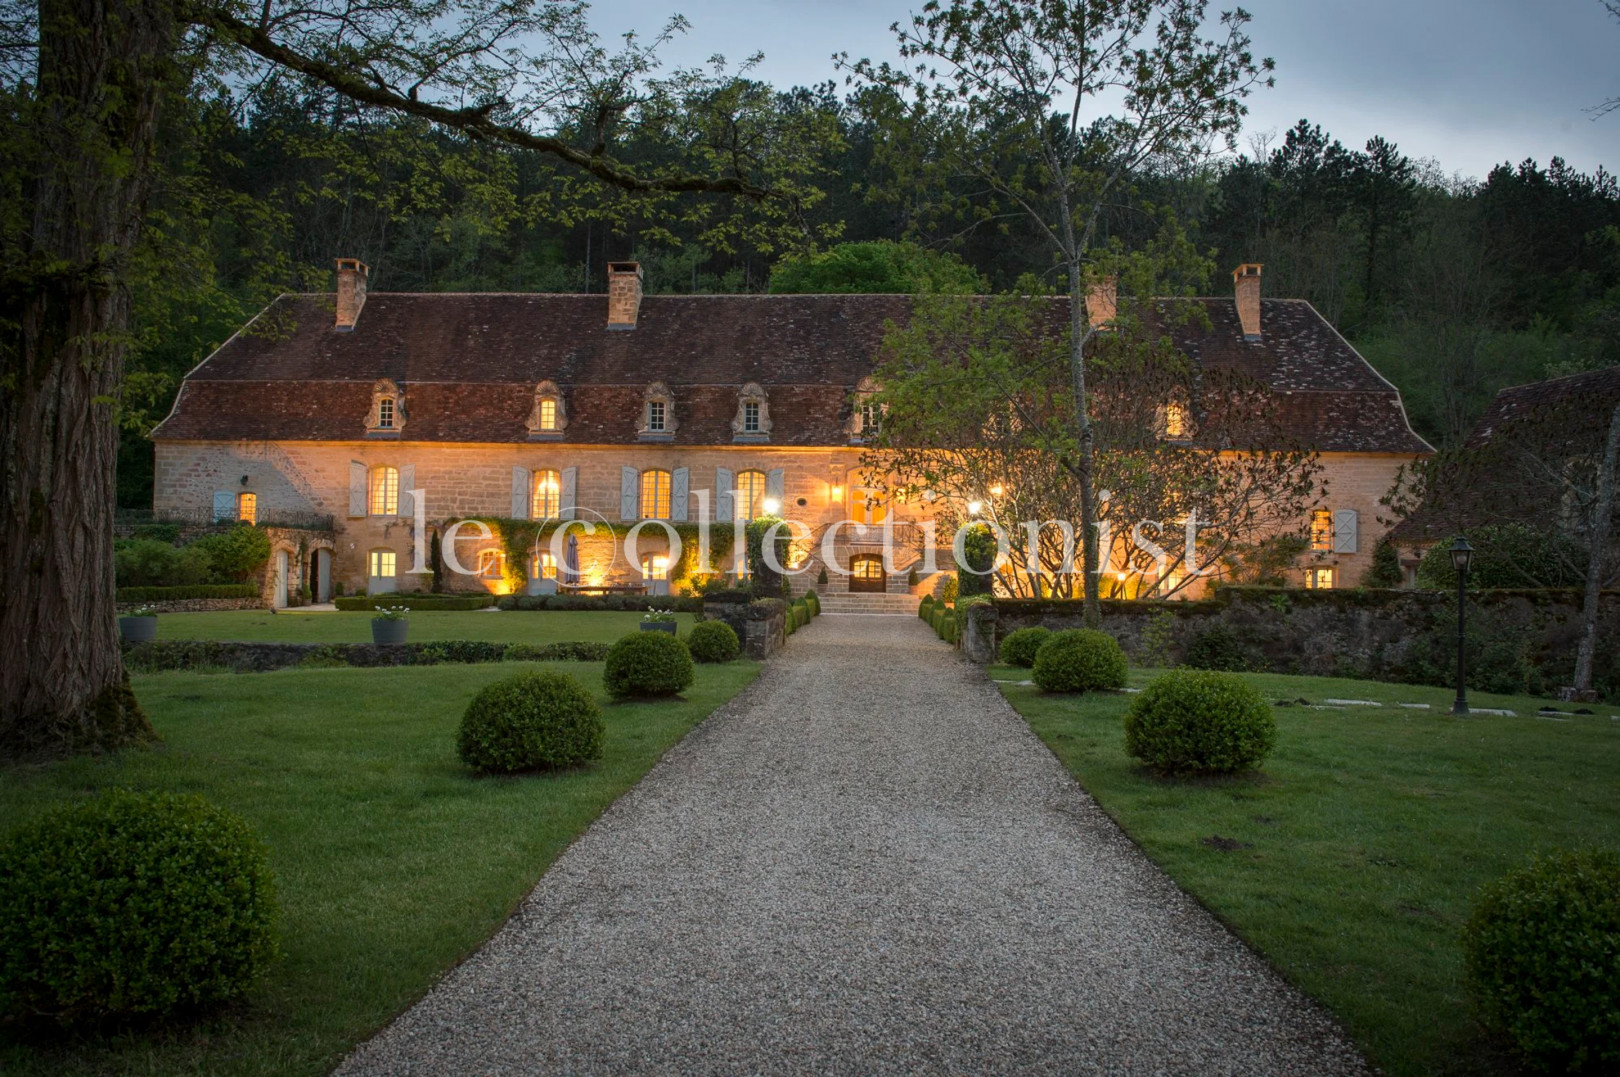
1470,83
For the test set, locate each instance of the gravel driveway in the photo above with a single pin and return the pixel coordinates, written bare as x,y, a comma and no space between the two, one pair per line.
866,863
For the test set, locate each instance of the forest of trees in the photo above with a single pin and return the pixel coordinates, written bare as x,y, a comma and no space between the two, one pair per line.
1452,287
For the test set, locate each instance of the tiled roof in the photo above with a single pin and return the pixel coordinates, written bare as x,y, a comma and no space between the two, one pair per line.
468,365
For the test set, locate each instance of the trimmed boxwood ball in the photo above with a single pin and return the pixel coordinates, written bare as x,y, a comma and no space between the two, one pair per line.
713,641
1019,648
132,906
1199,722
648,664
1079,660
531,721
1542,960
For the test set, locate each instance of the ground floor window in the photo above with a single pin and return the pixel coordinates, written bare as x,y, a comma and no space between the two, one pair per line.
247,508
545,566
489,564
655,566
1319,579
382,564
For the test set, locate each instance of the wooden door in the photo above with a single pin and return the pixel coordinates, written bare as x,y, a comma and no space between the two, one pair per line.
866,574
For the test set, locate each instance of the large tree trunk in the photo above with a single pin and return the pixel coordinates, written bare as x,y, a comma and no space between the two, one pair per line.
1602,515
64,322
1091,555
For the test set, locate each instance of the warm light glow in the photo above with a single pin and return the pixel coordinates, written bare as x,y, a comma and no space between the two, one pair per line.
975,507
997,490
1120,576
771,506
837,492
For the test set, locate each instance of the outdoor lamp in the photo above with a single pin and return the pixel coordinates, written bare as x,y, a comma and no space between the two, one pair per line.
1462,555
837,492
997,490
975,507
771,506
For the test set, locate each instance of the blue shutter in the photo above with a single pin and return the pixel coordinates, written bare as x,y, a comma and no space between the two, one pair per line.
679,489
407,482
723,499
357,488
570,491
224,505
520,493
629,492
776,486
1346,524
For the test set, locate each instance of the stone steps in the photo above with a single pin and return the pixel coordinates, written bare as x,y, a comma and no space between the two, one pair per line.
869,603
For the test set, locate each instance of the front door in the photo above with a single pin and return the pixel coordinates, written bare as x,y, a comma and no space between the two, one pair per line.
866,574
281,579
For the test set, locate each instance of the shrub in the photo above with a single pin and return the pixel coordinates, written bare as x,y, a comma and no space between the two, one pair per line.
530,721
648,664
925,608
1542,960
132,905
164,532
235,555
628,603
979,552
1218,648
1385,569
813,600
418,602
179,594
948,592
150,563
1079,660
713,641
1019,648
821,577
1507,555
1199,721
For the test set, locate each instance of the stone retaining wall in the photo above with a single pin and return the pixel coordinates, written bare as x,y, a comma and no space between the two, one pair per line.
760,624
196,605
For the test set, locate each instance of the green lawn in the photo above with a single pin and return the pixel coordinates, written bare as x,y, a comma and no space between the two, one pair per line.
1364,841
494,626
393,861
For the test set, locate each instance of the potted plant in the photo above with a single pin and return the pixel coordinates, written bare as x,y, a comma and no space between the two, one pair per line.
138,625
659,621
388,624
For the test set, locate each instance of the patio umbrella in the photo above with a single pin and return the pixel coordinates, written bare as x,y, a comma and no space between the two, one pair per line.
571,561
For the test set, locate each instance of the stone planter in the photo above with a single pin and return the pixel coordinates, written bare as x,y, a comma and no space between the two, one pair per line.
658,626
385,632
137,629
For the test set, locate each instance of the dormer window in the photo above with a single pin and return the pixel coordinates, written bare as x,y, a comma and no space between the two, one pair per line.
548,418
753,419
1177,425
866,417
657,413
387,415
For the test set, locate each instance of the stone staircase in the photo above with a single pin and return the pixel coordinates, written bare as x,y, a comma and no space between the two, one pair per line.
904,604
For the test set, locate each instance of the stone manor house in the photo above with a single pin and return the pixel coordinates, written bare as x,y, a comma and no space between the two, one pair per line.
628,407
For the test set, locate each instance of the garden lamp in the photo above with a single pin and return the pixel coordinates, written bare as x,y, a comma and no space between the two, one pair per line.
1462,555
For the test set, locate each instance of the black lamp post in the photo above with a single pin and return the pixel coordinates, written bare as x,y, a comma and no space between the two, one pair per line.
1461,555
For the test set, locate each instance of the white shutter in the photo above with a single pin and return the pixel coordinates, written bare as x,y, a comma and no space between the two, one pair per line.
520,493
357,488
224,505
1346,523
679,488
570,491
723,482
629,489
407,483
776,486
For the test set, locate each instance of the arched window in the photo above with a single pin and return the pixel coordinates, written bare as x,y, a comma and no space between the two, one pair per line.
382,564
655,495
489,564
750,493
547,501
384,499
387,414
247,507
549,416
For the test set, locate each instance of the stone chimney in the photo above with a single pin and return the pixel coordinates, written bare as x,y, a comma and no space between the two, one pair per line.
1247,279
624,294
351,292
1102,302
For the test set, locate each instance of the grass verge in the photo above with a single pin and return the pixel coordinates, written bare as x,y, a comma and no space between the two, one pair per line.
1352,860
393,861
494,626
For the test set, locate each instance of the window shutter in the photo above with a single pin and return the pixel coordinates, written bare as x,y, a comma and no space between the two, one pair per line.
629,483
722,494
679,488
357,488
1345,525
570,490
224,505
520,493
407,483
776,486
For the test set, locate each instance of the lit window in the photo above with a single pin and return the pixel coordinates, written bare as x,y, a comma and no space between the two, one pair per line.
750,493
1319,579
870,507
655,495
655,566
384,492
1322,531
1175,421
750,418
545,565
655,415
547,495
489,564
871,419
247,507
382,564
548,415
385,413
